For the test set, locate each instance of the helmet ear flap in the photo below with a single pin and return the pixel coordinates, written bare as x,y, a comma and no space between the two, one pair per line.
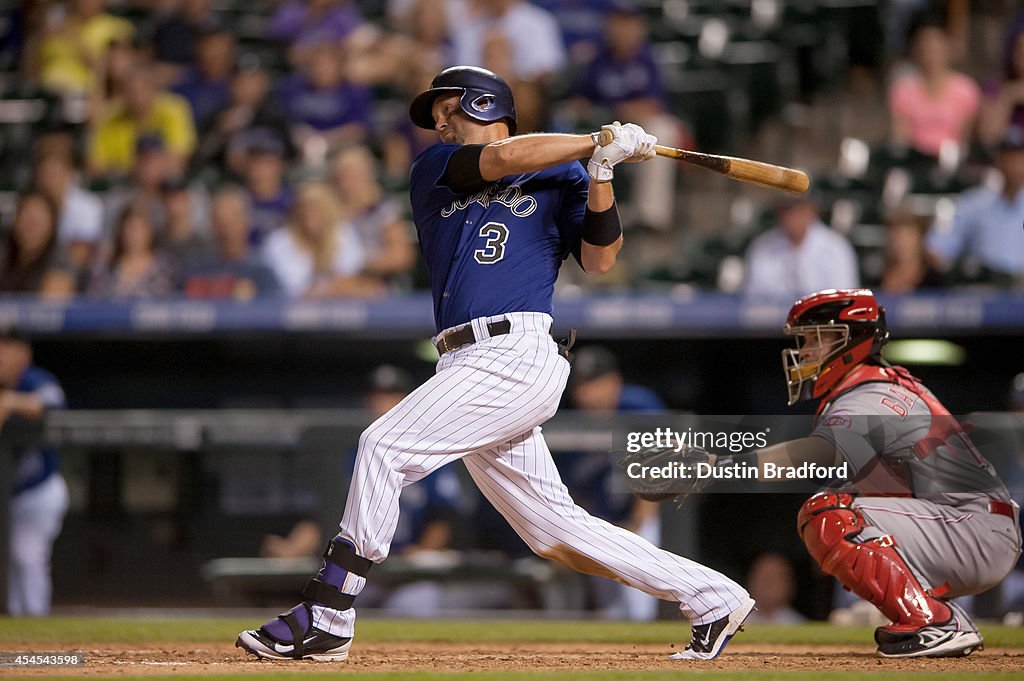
881,334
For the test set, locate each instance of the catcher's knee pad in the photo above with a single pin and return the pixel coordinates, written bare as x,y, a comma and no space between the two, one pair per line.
872,569
825,521
821,502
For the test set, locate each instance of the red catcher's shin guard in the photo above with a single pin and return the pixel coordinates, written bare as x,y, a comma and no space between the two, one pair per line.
873,570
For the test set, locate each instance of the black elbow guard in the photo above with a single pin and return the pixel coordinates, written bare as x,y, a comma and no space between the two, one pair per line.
462,175
602,229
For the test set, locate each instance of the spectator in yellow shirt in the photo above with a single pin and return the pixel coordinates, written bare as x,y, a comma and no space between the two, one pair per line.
144,111
71,52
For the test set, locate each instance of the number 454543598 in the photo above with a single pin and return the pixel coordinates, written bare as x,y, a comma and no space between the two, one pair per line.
35,659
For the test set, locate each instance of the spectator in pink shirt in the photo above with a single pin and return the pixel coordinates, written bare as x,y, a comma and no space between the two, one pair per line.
934,105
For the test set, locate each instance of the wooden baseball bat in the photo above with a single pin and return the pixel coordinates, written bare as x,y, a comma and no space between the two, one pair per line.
742,169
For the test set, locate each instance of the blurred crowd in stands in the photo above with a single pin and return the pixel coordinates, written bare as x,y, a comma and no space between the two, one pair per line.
232,149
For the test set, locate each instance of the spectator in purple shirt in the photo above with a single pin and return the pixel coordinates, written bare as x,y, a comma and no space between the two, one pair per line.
252,111
178,25
270,198
624,79
623,76
323,107
207,85
304,24
582,23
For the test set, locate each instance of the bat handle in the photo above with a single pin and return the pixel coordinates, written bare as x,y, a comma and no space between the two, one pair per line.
605,138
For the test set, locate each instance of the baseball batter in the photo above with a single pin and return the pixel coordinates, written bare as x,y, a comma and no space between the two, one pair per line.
496,216
924,517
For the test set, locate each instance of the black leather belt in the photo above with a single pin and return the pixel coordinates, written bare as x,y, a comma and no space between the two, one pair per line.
465,336
454,340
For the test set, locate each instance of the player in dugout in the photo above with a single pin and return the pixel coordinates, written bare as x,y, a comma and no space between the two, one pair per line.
922,517
496,215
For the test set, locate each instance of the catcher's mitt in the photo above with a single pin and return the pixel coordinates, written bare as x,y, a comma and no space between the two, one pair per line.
661,473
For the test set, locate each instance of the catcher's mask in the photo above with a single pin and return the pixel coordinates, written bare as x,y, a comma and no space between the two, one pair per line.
835,331
484,96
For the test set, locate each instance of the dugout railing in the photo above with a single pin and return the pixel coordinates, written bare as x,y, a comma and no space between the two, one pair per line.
109,438
191,435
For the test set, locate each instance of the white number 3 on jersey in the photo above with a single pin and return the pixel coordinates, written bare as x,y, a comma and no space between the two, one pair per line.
494,249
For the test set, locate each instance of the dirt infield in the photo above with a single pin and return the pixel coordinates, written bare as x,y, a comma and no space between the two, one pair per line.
191,658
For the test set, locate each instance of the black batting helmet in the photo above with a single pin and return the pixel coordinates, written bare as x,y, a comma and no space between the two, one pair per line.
485,97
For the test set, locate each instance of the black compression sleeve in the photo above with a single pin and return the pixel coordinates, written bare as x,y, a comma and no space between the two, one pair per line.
462,175
602,229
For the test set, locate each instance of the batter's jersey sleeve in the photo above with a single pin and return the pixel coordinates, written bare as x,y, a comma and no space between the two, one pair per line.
428,194
572,208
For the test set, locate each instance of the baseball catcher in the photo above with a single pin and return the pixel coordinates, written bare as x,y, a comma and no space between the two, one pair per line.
924,518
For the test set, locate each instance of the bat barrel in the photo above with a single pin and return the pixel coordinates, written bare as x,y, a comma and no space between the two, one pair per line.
742,169
767,175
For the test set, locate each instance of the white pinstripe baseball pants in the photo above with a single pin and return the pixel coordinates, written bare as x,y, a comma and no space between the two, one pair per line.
484,406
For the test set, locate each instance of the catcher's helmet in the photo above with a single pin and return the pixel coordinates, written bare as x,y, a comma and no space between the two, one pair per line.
849,327
485,97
